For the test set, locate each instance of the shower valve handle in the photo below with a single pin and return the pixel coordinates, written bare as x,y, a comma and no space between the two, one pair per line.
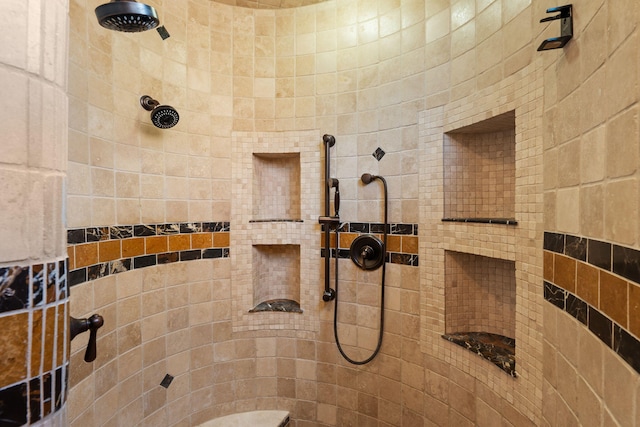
92,324
367,252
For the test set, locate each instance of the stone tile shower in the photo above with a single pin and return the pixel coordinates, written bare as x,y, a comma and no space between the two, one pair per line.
512,253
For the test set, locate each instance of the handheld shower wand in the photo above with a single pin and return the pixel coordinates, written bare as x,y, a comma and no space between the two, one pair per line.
334,183
368,253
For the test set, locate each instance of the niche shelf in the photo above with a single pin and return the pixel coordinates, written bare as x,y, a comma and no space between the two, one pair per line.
276,278
276,187
480,306
479,172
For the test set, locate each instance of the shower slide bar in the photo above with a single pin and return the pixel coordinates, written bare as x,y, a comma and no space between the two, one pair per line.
327,220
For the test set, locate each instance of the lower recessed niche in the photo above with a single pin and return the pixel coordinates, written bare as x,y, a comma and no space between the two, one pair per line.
480,300
276,278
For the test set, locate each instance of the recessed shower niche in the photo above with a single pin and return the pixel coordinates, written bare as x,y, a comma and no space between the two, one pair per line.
451,136
276,187
276,278
479,183
480,306
479,171
275,201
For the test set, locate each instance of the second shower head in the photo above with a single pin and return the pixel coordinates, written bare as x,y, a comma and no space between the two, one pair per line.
162,116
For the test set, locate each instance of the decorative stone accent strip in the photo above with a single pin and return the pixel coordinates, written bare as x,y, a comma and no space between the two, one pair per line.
598,283
35,370
96,252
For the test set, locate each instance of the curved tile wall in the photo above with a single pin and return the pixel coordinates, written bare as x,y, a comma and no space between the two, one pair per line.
33,274
361,73
34,305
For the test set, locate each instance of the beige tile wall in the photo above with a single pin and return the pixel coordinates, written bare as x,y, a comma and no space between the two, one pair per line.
125,170
33,107
591,191
585,383
184,174
362,73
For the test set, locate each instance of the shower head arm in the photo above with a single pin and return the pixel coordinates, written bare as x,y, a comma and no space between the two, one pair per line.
148,103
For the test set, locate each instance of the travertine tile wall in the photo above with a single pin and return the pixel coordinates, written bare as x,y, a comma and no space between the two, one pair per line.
33,282
362,72
257,73
122,169
591,176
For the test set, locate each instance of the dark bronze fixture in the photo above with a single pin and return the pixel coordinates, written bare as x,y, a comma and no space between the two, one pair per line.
162,116
566,27
127,15
92,324
367,252
327,220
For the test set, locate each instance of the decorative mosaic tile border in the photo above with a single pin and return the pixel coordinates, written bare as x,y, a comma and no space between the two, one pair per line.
96,252
402,244
23,287
33,304
27,402
603,258
617,259
609,332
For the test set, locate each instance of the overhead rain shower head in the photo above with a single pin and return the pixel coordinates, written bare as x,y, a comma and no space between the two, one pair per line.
162,116
127,15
